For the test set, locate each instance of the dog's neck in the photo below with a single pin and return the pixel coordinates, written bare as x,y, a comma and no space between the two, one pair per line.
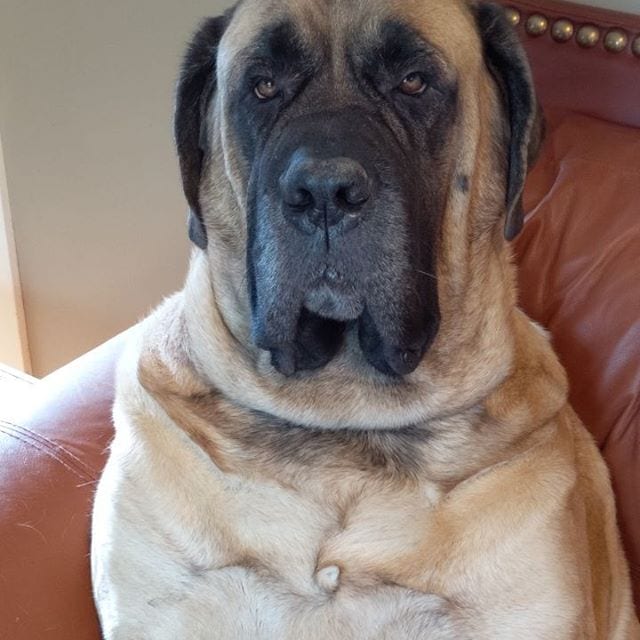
469,362
246,416
478,394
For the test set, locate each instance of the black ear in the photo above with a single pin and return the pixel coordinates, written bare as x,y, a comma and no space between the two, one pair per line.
508,63
196,86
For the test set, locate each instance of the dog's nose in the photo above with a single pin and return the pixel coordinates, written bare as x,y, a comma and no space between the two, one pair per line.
321,192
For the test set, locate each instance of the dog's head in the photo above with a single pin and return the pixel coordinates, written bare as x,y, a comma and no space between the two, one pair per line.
350,133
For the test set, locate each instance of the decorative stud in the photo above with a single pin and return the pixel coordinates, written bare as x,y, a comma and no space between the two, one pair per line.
513,16
537,25
616,41
588,36
635,47
562,30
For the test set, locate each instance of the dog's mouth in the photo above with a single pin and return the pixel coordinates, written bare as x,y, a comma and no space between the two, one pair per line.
325,319
304,301
303,307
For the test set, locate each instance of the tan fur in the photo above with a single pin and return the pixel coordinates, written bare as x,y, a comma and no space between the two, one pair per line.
472,481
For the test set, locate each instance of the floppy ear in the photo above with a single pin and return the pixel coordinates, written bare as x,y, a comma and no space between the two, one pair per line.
196,86
508,64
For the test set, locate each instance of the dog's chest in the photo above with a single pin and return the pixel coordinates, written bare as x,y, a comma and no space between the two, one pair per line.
292,533
320,565
248,606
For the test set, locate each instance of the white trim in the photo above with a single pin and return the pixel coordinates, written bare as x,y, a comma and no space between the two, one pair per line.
14,349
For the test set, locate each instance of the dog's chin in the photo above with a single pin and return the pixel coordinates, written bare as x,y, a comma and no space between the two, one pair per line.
331,304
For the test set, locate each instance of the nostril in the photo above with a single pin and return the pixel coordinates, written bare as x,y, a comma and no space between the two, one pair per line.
324,192
300,199
352,196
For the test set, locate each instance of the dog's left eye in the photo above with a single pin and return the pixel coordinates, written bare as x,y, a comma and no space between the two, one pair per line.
413,85
266,89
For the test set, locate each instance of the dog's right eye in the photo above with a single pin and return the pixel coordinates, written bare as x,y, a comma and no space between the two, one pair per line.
413,85
266,89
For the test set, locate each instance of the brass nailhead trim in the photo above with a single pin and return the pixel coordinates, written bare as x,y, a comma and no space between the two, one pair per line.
537,25
513,16
616,41
562,30
588,36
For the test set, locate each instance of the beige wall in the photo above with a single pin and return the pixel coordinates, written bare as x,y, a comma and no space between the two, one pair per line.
86,91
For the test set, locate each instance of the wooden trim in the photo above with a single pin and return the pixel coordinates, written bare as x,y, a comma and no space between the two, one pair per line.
14,350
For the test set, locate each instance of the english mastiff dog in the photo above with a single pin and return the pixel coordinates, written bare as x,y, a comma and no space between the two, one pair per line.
343,428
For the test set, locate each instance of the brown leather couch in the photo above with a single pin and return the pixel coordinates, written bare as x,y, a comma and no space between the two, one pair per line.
580,277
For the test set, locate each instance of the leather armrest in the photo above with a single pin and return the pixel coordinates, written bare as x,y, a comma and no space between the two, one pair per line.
51,455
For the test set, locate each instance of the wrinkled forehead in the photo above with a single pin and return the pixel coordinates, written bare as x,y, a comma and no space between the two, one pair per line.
334,25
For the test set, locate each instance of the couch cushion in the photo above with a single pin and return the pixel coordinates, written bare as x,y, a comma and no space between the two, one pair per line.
579,276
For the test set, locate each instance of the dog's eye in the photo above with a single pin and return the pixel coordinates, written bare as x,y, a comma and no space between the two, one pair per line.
266,89
413,85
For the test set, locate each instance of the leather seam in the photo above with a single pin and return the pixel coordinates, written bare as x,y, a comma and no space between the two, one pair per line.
82,466
47,451
49,448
